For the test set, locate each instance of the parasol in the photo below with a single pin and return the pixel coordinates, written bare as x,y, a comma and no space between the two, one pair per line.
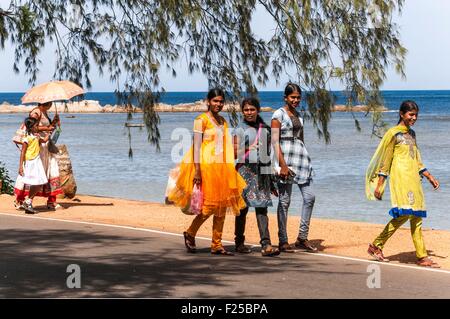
52,91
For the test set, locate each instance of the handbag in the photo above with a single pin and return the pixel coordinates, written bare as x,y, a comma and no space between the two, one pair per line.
55,134
52,148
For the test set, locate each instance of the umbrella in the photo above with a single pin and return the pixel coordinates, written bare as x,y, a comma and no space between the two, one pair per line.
52,91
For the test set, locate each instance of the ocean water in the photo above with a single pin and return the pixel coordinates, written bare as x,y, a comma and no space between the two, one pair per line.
435,102
98,147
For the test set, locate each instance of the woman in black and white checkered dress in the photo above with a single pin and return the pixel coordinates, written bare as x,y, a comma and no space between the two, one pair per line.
293,165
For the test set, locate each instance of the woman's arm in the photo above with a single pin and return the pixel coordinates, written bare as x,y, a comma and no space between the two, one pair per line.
424,172
275,129
238,137
385,168
45,139
197,147
377,192
433,181
22,157
235,146
56,120
198,137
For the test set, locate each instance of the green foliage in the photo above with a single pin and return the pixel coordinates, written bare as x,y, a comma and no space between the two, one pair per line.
7,184
351,41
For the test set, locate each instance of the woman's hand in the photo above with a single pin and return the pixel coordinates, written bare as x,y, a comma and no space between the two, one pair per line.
377,193
46,138
433,181
21,171
197,177
284,172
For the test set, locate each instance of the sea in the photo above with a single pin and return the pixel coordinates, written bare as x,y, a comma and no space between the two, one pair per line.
99,144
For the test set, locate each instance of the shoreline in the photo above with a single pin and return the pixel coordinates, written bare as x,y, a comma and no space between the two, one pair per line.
94,107
337,237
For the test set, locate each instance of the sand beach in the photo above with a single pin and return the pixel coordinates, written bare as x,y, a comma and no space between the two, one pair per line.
335,237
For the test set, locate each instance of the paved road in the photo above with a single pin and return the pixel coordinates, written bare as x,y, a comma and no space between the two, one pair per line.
117,262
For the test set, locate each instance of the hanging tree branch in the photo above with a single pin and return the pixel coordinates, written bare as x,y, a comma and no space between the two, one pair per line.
350,41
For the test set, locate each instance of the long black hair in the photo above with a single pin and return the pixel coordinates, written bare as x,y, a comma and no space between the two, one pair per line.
407,106
29,123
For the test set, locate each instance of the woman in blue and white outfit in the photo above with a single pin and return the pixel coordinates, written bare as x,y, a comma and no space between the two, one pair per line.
293,165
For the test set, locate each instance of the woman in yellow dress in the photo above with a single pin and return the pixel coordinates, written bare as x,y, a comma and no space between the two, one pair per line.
210,164
398,157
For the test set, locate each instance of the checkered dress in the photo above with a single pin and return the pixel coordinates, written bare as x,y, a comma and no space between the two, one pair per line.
294,150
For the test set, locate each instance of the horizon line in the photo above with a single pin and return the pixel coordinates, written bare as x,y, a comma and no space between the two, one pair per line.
387,90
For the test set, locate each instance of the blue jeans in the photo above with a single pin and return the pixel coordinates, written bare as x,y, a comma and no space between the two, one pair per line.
284,200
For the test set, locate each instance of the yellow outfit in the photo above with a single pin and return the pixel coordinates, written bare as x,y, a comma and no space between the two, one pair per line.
218,222
33,147
416,233
398,157
222,185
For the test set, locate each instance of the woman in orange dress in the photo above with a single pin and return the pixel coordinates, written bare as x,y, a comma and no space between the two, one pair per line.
210,165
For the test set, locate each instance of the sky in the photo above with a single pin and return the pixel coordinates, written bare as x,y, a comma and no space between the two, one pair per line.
424,30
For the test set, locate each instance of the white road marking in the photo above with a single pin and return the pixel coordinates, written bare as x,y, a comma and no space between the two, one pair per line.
225,241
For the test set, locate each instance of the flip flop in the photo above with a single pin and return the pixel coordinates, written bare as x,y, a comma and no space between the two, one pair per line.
221,251
428,262
189,242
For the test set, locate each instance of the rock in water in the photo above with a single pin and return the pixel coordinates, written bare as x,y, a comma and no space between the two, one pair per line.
66,177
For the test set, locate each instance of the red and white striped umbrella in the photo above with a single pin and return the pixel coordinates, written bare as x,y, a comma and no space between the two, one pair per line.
52,91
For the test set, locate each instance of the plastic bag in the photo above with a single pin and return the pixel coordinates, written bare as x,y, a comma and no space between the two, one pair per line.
197,200
20,133
195,205
171,182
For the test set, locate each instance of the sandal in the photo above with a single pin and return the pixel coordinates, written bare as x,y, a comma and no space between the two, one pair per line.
242,249
18,205
427,262
52,206
221,251
287,248
189,242
269,251
376,253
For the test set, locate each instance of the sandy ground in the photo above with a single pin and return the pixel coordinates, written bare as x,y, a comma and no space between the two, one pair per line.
331,236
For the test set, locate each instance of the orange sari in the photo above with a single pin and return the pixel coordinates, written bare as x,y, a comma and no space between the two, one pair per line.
222,185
